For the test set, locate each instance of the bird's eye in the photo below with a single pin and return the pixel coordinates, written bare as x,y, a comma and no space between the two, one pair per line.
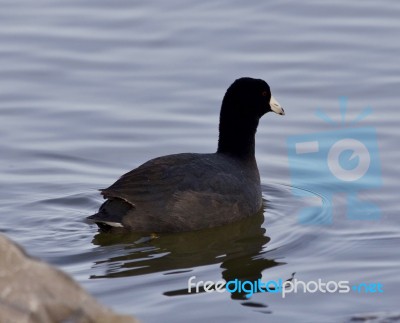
264,93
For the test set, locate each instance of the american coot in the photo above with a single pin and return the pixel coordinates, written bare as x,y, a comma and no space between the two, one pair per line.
184,192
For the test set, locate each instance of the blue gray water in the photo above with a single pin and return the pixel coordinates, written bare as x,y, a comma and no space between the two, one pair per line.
90,90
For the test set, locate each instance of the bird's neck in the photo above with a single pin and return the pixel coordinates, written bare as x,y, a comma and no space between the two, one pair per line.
237,138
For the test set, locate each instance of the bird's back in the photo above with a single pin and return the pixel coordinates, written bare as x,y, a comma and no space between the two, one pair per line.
183,192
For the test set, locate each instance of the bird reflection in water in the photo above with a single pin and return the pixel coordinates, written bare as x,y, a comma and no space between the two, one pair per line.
239,248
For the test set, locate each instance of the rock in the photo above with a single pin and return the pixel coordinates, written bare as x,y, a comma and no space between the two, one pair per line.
33,291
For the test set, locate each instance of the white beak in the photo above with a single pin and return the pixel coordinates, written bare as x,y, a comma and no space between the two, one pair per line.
276,107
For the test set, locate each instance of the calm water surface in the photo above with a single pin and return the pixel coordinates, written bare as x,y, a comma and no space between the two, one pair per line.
90,90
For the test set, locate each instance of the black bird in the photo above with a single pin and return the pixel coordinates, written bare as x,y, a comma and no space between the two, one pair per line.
188,191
